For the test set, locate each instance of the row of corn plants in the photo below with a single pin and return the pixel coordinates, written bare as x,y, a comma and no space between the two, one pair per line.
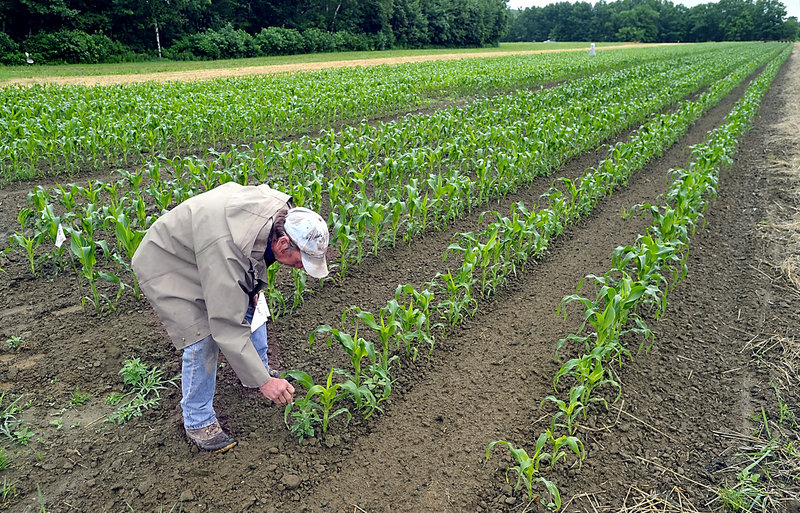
640,278
380,189
61,129
128,207
508,242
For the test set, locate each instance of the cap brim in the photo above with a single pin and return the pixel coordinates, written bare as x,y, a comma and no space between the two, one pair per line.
316,267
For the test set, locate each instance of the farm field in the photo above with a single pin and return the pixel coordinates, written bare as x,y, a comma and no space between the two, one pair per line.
106,74
720,379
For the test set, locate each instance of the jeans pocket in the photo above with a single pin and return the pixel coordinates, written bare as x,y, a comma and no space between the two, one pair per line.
248,316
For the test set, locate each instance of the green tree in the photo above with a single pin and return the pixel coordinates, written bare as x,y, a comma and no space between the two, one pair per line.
638,23
140,17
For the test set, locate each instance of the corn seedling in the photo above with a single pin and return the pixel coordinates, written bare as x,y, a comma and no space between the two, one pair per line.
459,298
590,374
526,469
299,288
343,235
385,327
356,348
568,410
308,411
421,311
5,461
366,397
83,248
277,304
29,245
409,324
558,445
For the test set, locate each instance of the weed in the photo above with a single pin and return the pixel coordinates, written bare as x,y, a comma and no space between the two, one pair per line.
23,436
114,398
14,342
10,426
133,371
756,488
41,499
8,492
78,398
5,459
144,386
785,414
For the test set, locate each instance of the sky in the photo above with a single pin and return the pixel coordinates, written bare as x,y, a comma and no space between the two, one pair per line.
792,6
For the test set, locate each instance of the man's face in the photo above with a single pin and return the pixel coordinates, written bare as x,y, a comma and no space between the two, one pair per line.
287,253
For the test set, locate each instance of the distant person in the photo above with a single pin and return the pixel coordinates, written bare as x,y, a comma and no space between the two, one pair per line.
591,50
200,266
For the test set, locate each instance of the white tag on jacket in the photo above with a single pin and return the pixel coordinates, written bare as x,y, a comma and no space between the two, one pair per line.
261,314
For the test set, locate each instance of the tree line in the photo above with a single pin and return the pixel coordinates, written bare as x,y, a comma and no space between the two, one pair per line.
103,30
653,21
90,31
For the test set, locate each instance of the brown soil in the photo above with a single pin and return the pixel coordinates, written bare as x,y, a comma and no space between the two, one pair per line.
206,74
685,407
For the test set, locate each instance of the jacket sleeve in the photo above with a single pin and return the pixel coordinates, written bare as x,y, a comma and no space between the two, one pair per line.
222,266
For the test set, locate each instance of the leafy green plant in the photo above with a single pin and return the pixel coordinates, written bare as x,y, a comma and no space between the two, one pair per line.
144,385
114,398
308,410
558,445
300,288
23,435
29,244
385,327
14,342
79,398
527,469
275,299
10,426
568,410
356,348
5,461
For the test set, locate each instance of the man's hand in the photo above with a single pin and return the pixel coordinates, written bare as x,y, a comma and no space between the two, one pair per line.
278,390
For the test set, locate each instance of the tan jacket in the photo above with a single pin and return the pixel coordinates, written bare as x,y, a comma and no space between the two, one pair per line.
192,259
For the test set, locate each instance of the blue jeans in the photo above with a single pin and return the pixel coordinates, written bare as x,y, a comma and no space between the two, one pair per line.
199,377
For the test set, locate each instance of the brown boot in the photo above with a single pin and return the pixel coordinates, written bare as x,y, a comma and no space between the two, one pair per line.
211,438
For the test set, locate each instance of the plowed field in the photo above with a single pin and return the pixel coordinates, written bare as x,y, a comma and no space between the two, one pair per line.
688,406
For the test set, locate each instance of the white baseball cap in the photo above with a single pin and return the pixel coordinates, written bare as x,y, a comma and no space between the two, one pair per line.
309,232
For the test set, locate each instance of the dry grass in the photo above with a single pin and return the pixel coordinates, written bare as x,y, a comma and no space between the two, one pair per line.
673,501
782,229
